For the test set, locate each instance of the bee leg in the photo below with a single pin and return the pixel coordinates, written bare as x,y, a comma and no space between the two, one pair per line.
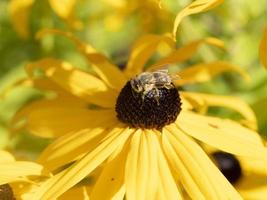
168,86
156,95
134,93
143,98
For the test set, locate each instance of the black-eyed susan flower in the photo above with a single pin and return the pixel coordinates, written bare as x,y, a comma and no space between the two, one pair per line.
134,126
16,173
141,138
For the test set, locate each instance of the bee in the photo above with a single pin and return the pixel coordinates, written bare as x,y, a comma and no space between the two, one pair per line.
151,82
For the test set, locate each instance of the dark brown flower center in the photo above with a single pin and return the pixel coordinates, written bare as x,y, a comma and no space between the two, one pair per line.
6,192
228,165
153,108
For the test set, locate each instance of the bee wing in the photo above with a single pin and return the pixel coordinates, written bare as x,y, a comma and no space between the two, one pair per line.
163,69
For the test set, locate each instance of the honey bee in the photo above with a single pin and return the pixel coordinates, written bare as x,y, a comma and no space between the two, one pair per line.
152,82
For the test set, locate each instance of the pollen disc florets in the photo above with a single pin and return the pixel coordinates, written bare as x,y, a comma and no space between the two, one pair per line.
228,165
6,192
150,100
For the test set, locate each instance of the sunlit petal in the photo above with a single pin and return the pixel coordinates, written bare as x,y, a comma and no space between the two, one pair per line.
193,8
72,146
48,118
196,169
153,173
112,178
142,50
185,52
183,172
231,102
64,180
108,72
75,81
167,188
19,170
194,157
223,134
206,71
137,179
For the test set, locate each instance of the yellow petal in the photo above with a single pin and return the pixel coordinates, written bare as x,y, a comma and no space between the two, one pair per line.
263,49
75,81
193,8
64,180
234,103
19,11
108,72
76,193
253,166
222,134
19,170
138,168
253,187
153,173
142,50
18,83
45,119
182,172
198,175
48,118
186,52
46,84
206,71
197,104
27,117
186,104
194,156
6,156
72,146
66,10
111,180
167,188
38,83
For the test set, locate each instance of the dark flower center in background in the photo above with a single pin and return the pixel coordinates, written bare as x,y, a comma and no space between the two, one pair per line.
154,108
6,192
228,165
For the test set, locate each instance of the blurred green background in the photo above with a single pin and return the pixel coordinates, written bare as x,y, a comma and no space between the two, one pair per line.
112,26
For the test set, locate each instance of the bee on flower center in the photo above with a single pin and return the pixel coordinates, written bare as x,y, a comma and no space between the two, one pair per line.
149,100
152,82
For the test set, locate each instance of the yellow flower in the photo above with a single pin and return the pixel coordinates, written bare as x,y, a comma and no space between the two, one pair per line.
140,138
14,172
20,11
248,176
136,161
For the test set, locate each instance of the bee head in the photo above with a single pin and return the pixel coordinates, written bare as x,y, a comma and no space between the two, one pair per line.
136,85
